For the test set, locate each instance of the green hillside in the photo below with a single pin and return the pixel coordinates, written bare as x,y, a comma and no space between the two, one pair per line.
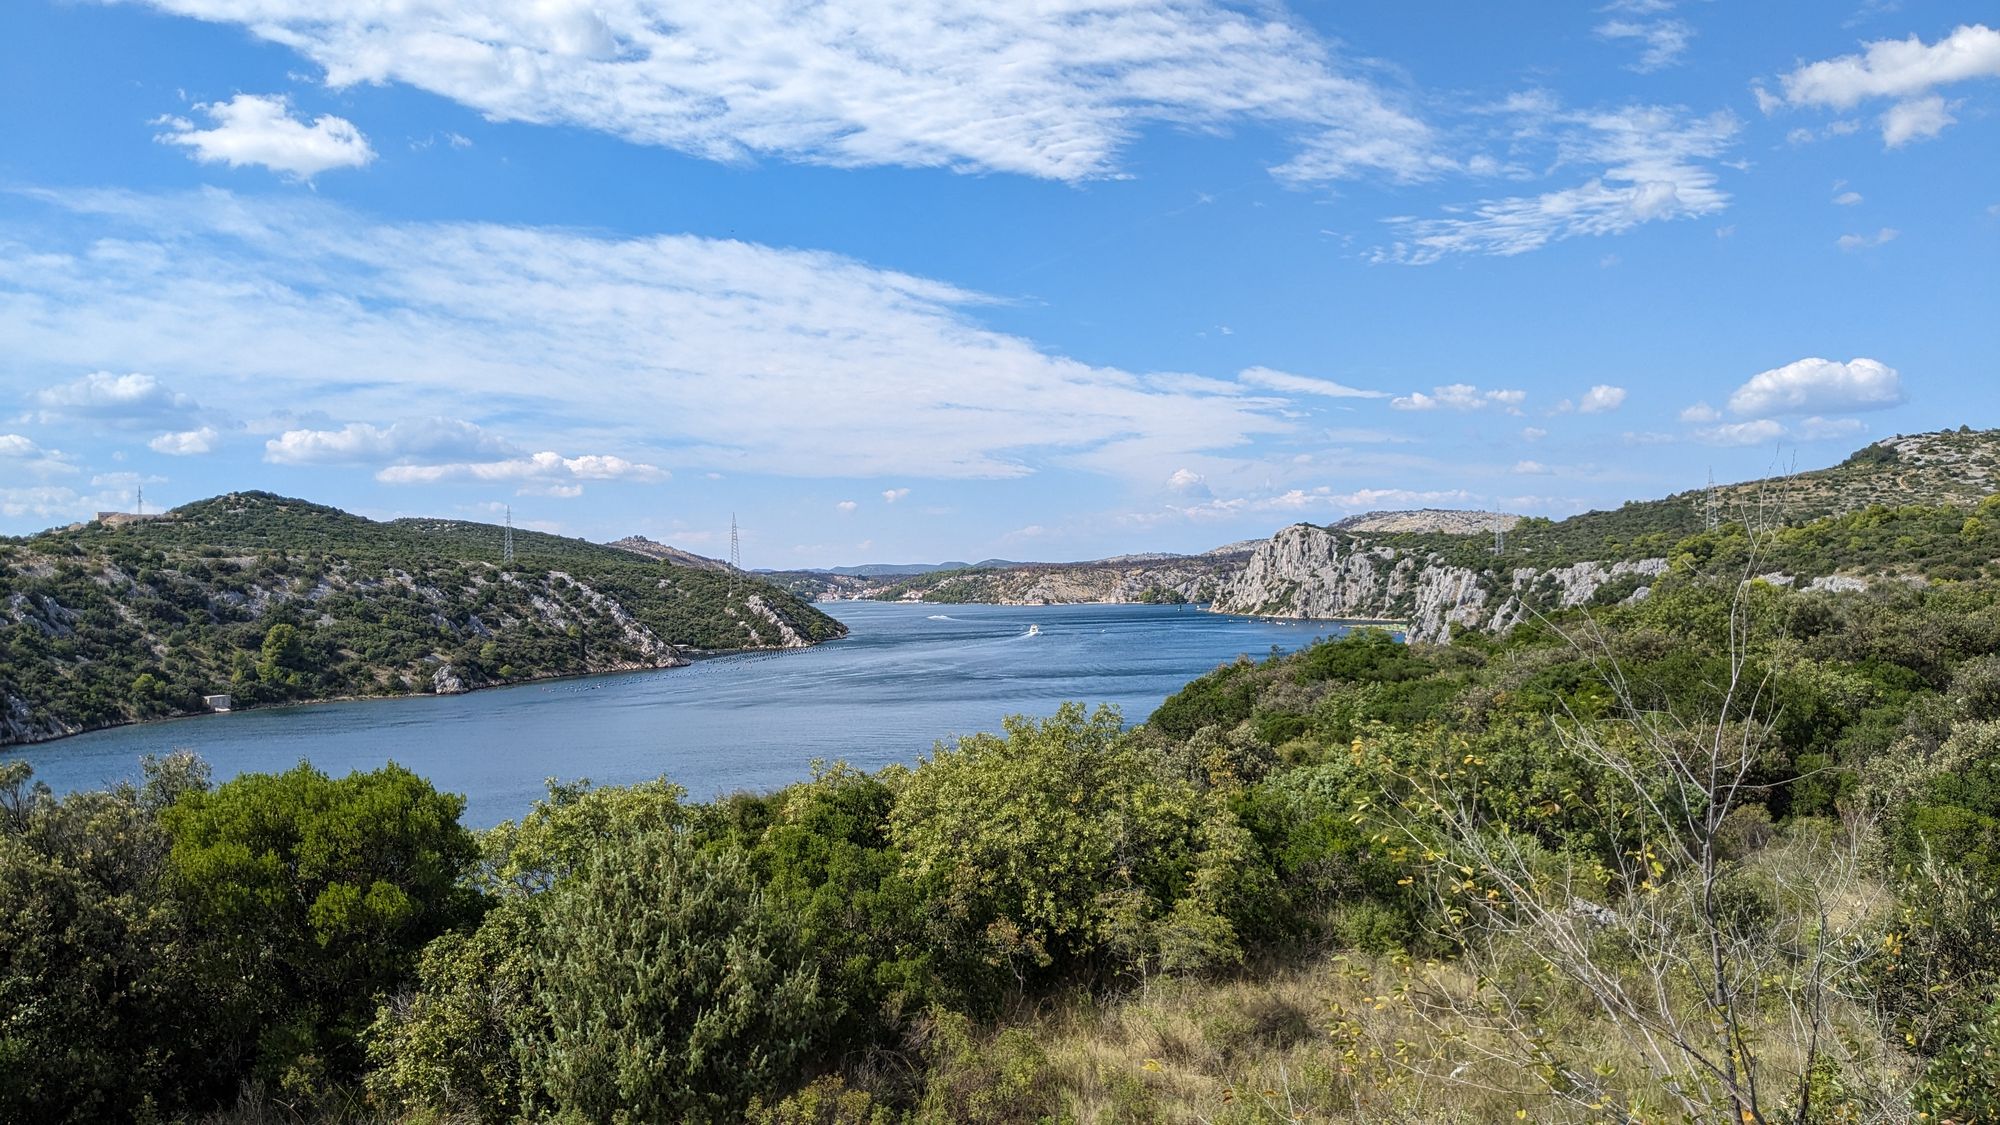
275,600
1949,468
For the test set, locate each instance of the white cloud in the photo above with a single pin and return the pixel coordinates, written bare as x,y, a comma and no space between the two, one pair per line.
1189,483
135,399
1847,198
1906,70
891,495
23,454
1918,119
260,129
1647,166
1896,68
1662,42
538,466
1054,91
1302,384
1818,386
1864,241
1532,468
1601,399
185,443
685,352
1460,396
359,443
846,506
1701,412
1741,433
1533,433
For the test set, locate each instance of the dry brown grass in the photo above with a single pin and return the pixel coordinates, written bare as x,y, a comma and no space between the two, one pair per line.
1350,1037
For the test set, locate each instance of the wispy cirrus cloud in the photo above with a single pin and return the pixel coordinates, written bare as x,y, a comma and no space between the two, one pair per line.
1662,39
1054,91
1646,164
664,350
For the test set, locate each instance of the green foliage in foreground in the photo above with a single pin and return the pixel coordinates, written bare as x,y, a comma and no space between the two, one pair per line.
850,948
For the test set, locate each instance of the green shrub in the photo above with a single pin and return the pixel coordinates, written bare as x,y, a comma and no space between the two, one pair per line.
673,991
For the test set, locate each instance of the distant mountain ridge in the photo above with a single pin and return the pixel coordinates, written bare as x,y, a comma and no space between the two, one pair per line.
1433,568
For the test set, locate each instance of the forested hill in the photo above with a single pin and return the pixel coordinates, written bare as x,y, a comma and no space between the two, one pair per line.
273,600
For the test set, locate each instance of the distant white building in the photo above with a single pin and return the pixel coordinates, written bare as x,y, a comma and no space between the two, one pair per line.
218,703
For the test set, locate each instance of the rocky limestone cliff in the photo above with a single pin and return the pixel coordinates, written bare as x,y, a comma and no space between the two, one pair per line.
1314,572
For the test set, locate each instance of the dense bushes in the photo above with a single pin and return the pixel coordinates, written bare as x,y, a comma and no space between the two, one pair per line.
160,945
853,947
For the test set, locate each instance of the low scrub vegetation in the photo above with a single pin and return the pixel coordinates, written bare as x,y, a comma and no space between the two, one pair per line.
1726,853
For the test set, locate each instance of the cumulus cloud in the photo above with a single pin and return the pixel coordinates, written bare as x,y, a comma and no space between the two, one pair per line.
1600,399
360,443
185,443
1648,164
534,467
1818,386
1847,198
260,129
846,506
1918,119
1533,433
1302,384
676,350
1460,396
134,399
22,454
891,495
1055,91
1904,70
1532,468
1701,412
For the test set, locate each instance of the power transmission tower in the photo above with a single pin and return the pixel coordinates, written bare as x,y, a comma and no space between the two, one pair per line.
141,501
1499,537
735,560
507,539
1714,517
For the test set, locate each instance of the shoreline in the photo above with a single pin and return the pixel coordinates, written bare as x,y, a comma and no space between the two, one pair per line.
689,658
1200,607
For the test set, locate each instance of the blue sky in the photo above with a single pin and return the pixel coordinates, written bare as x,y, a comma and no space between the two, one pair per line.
1046,281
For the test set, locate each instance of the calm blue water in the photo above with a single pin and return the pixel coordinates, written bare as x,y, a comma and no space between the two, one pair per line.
906,676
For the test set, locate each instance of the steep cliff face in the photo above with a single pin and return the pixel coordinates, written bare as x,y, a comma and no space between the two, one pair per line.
1313,572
